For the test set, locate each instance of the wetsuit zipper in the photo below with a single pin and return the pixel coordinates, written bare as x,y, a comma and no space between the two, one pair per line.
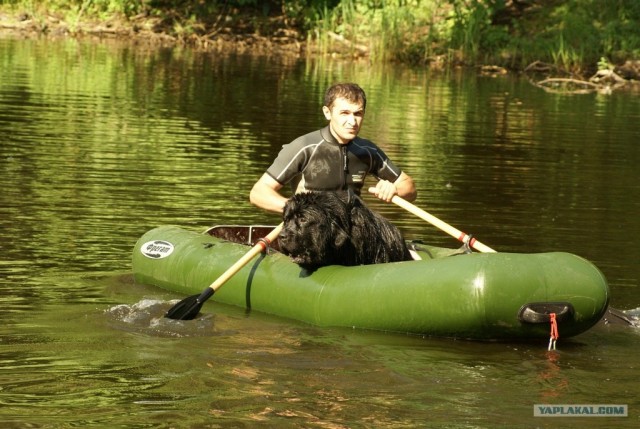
345,165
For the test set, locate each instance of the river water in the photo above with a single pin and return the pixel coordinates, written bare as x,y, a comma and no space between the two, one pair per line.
102,141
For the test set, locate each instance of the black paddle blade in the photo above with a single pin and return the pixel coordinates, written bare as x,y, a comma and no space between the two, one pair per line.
186,309
189,308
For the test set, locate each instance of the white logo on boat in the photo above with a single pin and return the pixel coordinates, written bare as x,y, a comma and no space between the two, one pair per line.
156,249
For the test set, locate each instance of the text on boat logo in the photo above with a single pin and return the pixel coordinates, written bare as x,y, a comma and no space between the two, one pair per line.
156,249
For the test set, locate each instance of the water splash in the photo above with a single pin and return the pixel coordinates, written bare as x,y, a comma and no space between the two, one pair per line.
634,316
147,317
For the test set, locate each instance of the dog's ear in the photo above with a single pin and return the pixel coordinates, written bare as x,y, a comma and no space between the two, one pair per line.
340,237
290,207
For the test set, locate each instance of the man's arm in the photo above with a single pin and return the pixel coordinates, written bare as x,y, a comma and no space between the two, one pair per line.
406,187
265,195
403,187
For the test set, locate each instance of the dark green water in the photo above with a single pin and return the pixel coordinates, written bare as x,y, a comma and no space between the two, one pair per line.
101,142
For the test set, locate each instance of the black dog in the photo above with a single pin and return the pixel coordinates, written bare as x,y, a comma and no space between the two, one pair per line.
327,228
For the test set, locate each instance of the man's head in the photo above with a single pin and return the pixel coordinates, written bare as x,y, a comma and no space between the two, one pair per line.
348,91
344,106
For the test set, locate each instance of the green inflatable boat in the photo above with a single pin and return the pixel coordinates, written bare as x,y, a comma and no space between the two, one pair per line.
449,293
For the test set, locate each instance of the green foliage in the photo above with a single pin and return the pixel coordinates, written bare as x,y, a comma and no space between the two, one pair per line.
604,64
570,33
388,30
102,8
573,34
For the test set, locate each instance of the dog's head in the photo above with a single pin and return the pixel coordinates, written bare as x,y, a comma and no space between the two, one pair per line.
316,228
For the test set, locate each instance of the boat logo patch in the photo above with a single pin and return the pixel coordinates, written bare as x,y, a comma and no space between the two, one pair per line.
156,249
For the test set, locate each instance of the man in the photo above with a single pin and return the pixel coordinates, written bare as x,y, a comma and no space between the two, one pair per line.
332,158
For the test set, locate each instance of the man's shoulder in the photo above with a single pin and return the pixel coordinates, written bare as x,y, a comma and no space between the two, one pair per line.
314,137
365,144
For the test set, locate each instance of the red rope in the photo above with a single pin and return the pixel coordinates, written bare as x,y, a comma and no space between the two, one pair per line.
554,331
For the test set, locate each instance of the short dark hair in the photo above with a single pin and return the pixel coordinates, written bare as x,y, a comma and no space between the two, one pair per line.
349,91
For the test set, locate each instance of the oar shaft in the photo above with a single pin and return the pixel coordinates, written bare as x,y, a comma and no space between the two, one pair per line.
254,251
456,233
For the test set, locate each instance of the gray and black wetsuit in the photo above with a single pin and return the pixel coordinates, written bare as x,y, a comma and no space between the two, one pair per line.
317,162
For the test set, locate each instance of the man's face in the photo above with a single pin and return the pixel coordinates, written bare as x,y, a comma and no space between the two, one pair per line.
345,119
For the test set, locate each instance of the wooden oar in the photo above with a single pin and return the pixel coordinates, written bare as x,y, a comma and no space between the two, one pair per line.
465,238
189,307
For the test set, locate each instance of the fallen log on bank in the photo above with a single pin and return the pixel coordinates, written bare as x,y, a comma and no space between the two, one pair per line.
605,81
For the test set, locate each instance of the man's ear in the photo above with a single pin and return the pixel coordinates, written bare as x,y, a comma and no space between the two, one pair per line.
327,112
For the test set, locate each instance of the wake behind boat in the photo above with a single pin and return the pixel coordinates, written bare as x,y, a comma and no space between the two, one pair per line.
488,296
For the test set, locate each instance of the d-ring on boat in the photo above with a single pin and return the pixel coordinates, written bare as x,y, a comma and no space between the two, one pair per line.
484,296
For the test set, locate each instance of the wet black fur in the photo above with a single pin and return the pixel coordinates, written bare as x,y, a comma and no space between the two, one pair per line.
337,228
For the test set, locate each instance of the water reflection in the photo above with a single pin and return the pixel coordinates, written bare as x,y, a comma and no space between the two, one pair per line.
101,142
554,381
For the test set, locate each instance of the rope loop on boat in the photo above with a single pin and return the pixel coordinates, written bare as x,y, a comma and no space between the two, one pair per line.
467,242
265,243
554,332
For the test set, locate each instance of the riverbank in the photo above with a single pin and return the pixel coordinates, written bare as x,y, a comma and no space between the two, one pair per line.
243,32
144,29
